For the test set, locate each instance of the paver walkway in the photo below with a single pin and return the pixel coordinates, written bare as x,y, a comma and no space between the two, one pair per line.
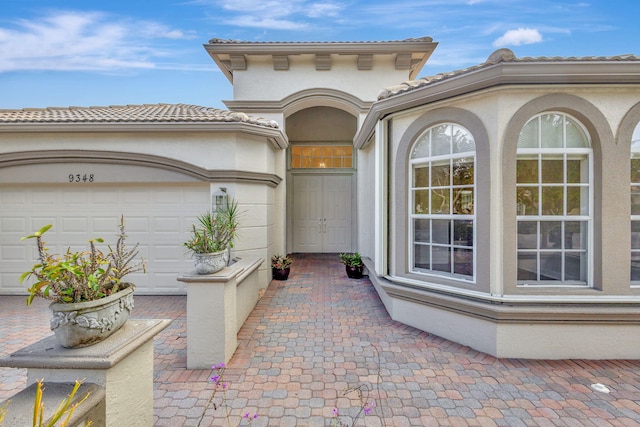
318,333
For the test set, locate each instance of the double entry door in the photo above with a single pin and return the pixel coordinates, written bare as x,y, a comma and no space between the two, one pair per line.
322,213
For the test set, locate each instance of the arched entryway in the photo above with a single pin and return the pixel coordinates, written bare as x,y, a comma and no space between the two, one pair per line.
321,180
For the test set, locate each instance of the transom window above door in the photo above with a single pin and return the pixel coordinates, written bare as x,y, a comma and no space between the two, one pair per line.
321,156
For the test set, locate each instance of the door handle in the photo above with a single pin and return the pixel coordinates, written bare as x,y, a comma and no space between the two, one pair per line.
324,225
319,225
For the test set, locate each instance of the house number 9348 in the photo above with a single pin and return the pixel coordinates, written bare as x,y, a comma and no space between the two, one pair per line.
87,177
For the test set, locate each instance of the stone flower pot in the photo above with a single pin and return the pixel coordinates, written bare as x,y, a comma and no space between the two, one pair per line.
86,323
211,262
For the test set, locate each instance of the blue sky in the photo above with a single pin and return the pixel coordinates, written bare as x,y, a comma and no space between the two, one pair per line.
63,53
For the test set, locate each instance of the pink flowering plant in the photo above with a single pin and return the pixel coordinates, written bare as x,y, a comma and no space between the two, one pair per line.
218,400
365,407
221,387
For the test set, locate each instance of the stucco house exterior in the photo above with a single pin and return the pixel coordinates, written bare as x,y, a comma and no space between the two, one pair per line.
496,206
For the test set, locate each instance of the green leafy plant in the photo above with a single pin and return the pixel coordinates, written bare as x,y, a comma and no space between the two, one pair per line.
215,231
81,276
65,408
351,259
280,261
3,411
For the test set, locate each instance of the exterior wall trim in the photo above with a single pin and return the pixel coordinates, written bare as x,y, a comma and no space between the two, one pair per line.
304,99
137,159
627,126
597,312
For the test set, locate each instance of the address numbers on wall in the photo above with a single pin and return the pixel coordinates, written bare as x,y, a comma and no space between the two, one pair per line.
81,177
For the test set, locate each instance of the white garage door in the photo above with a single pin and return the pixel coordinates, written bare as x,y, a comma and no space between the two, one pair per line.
157,216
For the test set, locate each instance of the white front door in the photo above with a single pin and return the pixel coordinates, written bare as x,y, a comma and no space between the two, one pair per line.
322,213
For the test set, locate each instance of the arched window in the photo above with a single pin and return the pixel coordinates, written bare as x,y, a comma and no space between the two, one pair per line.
553,187
635,206
442,200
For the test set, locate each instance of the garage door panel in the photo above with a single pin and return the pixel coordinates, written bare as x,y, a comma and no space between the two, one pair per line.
11,283
167,252
36,222
14,197
196,199
39,198
171,225
158,217
135,225
14,225
10,253
74,224
160,281
136,198
105,226
101,196
73,198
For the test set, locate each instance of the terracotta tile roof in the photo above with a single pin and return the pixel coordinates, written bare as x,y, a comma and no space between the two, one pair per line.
231,41
501,55
146,113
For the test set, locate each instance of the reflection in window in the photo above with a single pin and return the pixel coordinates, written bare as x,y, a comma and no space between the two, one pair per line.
321,156
553,196
442,202
635,206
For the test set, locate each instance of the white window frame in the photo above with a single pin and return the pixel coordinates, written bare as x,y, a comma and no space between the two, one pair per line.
635,150
565,153
451,217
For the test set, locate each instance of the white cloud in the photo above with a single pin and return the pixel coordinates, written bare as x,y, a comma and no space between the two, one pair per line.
82,41
518,37
277,14
320,10
265,22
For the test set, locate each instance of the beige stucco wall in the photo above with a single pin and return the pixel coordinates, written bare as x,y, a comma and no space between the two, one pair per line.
261,202
495,108
261,82
494,314
203,149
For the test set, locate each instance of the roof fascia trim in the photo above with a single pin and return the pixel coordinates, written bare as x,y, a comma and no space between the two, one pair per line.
504,73
275,136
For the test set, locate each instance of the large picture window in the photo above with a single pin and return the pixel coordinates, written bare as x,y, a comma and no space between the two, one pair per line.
442,200
635,206
553,187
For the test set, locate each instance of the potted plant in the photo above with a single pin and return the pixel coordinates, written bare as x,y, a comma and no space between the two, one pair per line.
353,264
90,299
280,267
212,238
